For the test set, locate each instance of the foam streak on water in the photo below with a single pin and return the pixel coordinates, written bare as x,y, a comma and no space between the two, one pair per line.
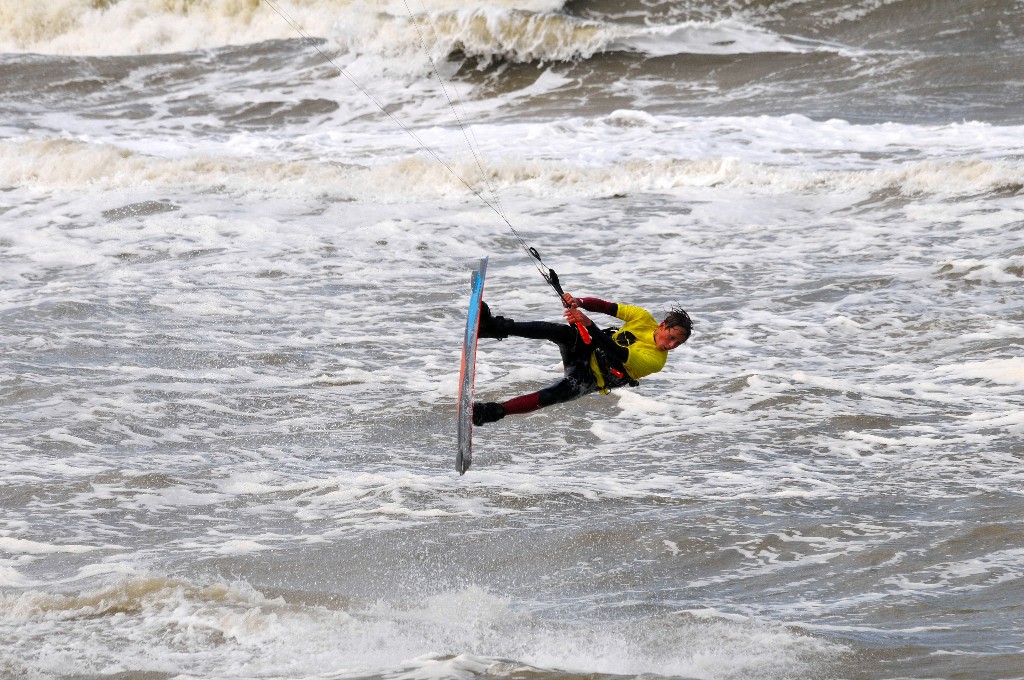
231,307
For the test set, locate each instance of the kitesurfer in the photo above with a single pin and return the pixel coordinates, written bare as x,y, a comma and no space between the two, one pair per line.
614,357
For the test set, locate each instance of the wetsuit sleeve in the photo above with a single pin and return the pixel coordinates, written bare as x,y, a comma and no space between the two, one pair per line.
592,304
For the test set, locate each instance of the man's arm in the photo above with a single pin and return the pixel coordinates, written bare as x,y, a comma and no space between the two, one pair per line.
593,304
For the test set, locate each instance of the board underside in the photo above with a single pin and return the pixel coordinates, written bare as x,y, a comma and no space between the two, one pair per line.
467,373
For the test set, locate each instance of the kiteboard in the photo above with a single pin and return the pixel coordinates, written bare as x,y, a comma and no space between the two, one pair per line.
467,374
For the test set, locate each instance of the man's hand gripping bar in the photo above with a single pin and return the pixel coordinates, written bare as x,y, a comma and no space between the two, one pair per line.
570,303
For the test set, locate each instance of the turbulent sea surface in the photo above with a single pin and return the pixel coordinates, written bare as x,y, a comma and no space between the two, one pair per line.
232,297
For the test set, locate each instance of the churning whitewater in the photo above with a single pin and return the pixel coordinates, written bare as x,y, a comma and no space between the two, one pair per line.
232,296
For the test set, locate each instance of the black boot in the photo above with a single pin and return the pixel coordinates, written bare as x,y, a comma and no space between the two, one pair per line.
497,327
487,412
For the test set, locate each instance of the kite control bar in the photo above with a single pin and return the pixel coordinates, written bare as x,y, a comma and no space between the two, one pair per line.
552,278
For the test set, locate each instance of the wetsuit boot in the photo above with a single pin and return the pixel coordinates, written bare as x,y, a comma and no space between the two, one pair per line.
491,326
487,412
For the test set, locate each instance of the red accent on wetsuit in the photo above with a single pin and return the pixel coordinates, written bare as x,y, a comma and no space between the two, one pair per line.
523,404
592,304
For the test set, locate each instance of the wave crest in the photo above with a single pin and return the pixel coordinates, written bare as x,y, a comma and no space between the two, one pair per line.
521,36
513,30
72,166
107,27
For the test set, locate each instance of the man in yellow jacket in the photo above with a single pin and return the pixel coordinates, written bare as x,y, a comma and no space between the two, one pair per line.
612,359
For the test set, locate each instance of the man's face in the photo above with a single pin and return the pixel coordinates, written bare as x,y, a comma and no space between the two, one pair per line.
669,338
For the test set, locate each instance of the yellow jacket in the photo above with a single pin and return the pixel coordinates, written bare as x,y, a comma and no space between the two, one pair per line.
636,334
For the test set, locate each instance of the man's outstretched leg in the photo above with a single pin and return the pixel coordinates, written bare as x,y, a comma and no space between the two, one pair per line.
491,411
578,379
501,327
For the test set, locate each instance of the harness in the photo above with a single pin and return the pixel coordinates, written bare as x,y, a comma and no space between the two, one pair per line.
607,366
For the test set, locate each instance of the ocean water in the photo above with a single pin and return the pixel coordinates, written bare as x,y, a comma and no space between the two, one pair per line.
232,290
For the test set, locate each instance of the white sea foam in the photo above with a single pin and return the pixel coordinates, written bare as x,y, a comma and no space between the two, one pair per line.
723,37
999,371
10,544
447,633
10,577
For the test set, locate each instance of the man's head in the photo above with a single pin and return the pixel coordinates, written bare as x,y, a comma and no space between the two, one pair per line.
674,330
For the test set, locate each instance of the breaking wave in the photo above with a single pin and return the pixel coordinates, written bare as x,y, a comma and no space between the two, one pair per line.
75,165
522,31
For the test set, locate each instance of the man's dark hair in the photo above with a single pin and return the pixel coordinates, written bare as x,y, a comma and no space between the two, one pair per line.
678,318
